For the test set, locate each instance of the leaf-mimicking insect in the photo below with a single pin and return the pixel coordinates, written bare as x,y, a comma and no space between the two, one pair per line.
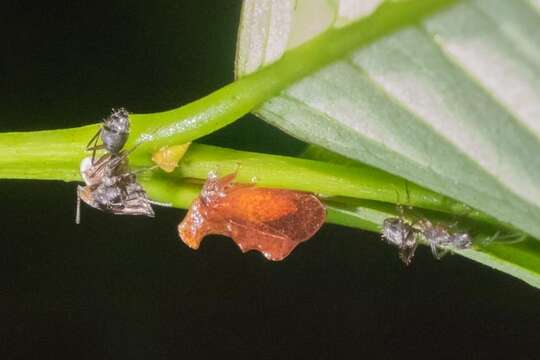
272,221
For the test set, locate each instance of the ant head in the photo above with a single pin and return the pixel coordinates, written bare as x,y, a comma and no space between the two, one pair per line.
461,240
396,231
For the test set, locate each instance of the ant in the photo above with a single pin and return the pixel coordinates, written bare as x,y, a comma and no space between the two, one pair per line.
109,184
113,133
405,235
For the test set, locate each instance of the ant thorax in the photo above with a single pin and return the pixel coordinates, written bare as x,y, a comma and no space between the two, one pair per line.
438,236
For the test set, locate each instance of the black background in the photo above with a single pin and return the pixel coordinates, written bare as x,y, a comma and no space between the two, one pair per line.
120,287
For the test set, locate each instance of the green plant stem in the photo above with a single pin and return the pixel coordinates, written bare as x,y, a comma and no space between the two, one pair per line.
53,155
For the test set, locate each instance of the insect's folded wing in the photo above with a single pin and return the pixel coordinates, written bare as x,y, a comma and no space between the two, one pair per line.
272,245
272,221
303,223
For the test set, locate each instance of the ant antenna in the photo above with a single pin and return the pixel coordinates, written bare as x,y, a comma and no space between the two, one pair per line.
506,239
408,193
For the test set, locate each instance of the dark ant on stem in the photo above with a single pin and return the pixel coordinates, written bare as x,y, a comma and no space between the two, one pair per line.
406,235
113,133
110,186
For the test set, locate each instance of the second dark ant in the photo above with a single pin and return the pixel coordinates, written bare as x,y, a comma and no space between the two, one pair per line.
406,235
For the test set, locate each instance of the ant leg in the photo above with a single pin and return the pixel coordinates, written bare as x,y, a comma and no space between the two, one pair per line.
517,238
94,139
399,207
159,203
437,252
434,250
126,153
94,148
102,162
406,254
407,211
151,168
117,160
491,239
93,144
408,193
507,239
114,160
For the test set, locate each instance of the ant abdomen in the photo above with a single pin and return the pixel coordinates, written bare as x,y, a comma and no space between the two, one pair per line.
113,134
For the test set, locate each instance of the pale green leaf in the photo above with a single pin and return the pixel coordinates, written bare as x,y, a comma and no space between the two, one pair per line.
451,103
268,28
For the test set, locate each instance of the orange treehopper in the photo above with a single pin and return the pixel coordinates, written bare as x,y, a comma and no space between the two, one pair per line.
272,221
